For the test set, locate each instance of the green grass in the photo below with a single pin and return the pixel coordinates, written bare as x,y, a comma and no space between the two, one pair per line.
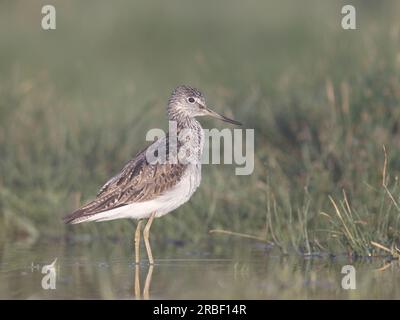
75,104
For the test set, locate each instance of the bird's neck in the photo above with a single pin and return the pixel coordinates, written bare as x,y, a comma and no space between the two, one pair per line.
190,136
184,122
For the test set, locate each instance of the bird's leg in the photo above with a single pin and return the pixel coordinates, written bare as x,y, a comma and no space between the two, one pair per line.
146,237
137,241
137,282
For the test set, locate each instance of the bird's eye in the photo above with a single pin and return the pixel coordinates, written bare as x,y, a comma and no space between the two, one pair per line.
191,100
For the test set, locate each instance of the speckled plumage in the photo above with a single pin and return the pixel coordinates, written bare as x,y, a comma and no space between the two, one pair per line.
142,188
145,189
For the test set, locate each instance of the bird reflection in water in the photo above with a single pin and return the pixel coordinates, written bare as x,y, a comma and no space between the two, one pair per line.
147,283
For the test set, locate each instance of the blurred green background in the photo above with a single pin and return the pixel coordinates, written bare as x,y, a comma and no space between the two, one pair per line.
76,103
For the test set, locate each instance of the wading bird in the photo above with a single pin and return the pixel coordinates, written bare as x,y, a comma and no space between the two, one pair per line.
144,189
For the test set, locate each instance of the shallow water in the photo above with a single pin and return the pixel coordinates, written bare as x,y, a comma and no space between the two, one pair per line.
235,270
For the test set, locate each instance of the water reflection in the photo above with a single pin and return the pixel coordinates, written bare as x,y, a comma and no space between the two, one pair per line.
146,289
234,270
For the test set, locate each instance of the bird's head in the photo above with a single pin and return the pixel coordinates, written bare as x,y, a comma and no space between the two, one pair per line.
190,102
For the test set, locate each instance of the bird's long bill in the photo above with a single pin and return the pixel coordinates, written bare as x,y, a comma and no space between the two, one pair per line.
221,117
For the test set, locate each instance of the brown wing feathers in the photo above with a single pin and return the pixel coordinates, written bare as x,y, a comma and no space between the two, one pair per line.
137,182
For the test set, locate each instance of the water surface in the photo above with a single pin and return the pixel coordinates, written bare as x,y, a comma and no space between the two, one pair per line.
236,270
